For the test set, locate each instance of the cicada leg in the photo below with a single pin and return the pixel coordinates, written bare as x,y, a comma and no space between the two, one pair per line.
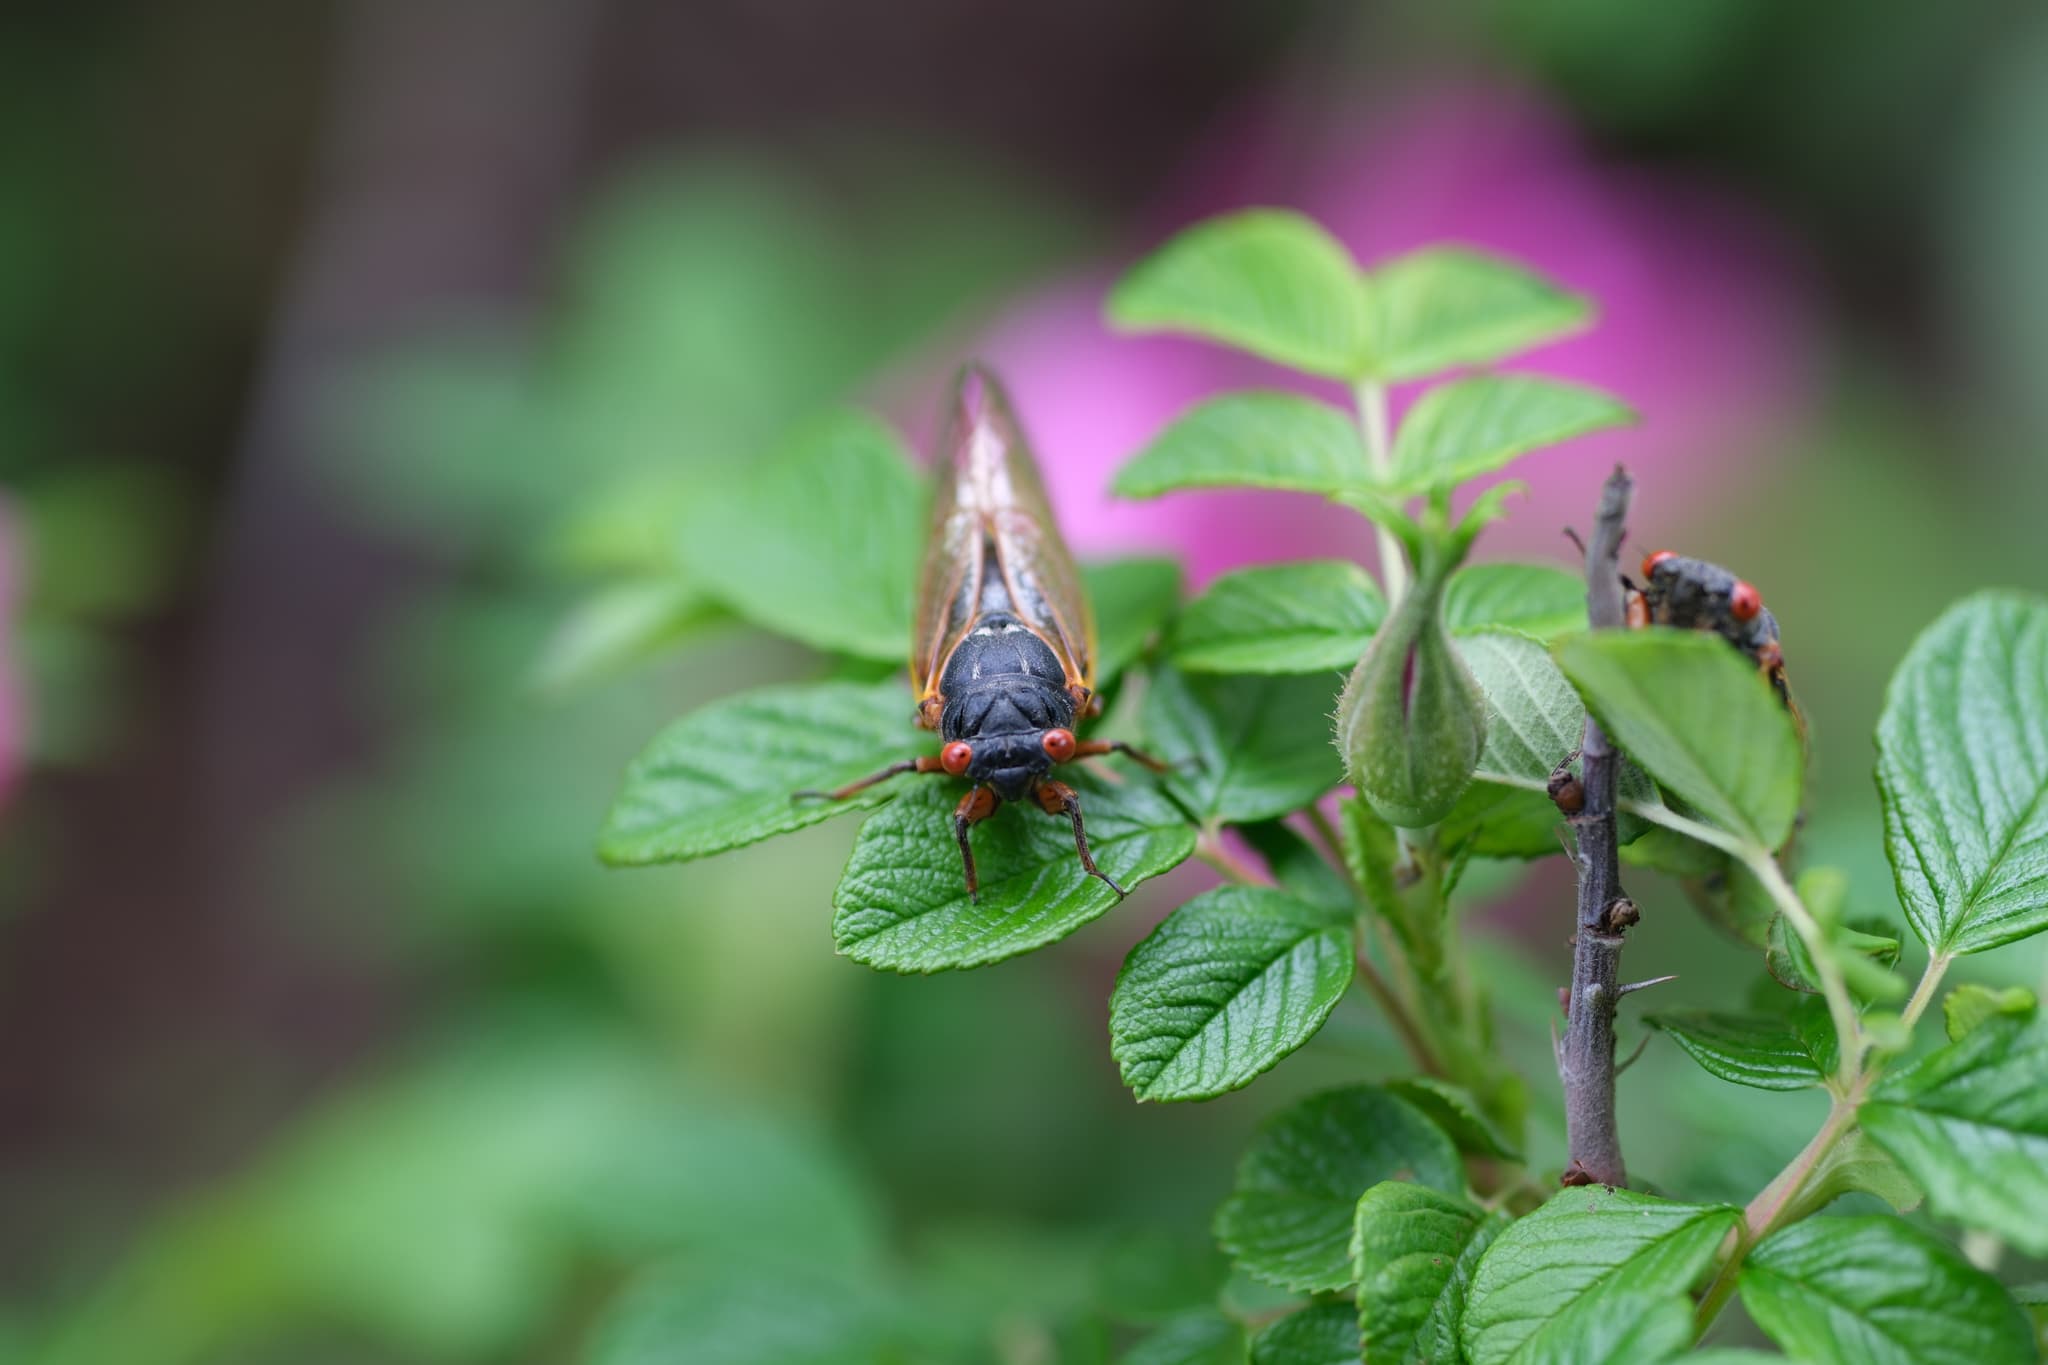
1094,748
924,764
975,807
1057,798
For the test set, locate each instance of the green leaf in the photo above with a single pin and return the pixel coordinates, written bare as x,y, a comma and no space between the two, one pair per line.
1533,720
1586,1242
1289,1219
724,776
1445,307
1971,1005
1626,1328
620,625
1204,1337
1321,1334
1243,748
1699,718
1132,598
1224,988
1970,1124
1268,281
1534,599
1455,1111
1788,1052
1307,617
1859,1166
1461,430
1251,439
1298,865
1791,966
1413,1253
1962,764
820,541
903,905
1878,1291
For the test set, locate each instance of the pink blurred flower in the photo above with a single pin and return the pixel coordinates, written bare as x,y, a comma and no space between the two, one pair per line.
1702,327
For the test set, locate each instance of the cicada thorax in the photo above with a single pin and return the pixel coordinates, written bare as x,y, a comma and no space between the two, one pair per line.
1694,594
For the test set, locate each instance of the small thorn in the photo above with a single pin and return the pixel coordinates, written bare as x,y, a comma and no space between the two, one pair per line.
1645,985
1633,1055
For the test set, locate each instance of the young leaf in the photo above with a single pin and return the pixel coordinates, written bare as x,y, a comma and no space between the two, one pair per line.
903,905
1224,988
1962,764
1320,1334
1308,617
1203,1337
1132,599
1268,281
1469,427
819,542
1699,718
1445,307
1970,1005
1585,1242
1250,439
724,776
1243,748
1535,599
1858,1165
1769,1053
1878,1291
1457,1113
1290,1217
1970,1124
1791,966
1413,1252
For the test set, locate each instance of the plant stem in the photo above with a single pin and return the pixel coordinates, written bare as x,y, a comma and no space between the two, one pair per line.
1397,1014
1767,1210
1585,1058
1923,994
1379,453
1211,849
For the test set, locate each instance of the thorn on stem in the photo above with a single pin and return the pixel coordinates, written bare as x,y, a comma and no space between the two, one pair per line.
1633,1055
1645,985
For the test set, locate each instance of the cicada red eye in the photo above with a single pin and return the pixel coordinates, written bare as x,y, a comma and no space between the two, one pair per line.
1744,603
955,757
1651,561
1060,744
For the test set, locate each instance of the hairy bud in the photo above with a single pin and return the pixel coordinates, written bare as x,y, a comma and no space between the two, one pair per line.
1412,721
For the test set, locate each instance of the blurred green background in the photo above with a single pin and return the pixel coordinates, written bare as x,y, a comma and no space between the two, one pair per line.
354,359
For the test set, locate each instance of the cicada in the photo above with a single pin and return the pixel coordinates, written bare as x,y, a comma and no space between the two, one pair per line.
1696,595
1003,655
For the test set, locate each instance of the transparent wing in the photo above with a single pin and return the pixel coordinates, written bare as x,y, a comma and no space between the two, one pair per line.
994,543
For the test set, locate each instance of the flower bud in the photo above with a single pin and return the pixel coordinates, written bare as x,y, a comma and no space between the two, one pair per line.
1412,721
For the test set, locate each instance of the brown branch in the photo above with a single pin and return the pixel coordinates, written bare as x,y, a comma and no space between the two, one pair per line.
1585,1057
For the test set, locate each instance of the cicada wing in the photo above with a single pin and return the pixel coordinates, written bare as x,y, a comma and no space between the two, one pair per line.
994,544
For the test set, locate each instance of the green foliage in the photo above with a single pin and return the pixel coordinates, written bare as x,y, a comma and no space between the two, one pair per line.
1970,1124
1133,599
1321,1334
1250,440
1266,281
1228,985
1971,1005
903,904
1204,1337
726,776
1963,767
1876,1291
1788,1052
1534,599
1441,308
1413,1252
1453,1109
1289,1218
1310,617
1243,748
1462,430
1590,1243
1699,719
821,541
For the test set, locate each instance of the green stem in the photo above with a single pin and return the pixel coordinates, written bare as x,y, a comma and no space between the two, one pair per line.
1374,424
1767,1211
1923,994
1210,848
